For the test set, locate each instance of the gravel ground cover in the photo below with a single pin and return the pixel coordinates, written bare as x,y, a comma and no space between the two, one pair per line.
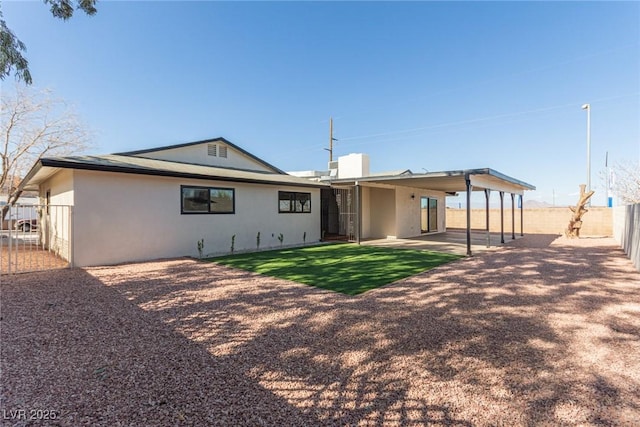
542,332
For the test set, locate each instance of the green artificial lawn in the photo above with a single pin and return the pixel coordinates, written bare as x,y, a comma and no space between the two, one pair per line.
347,268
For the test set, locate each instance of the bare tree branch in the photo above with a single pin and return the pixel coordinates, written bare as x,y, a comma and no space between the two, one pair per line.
34,124
626,182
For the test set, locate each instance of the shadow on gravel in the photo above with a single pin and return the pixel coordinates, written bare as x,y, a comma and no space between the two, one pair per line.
522,336
78,348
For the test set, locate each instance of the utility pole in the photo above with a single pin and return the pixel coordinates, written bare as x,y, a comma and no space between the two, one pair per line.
606,184
331,139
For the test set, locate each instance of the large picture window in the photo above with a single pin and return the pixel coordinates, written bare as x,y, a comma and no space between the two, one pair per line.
291,202
207,200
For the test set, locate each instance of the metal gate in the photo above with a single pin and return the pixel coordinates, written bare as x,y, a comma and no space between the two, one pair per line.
35,238
340,213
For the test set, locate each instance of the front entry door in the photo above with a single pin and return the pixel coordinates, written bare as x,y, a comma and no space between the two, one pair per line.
428,214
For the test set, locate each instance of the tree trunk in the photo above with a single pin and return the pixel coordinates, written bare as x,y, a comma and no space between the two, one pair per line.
575,223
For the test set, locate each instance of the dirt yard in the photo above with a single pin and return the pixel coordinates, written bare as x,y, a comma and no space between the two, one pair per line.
26,258
540,332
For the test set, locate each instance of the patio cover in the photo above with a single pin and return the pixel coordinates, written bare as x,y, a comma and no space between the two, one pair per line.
451,182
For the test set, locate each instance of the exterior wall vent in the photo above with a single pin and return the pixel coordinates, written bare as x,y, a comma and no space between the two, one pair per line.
222,152
212,150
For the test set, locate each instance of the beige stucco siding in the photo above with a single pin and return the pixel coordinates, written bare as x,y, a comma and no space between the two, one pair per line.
198,155
56,221
125,217
61,187
393,213
408,212
382,213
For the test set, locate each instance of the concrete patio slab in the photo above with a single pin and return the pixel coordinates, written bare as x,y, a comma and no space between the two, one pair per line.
452,241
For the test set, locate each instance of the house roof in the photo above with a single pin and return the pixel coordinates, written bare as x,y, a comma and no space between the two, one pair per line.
188,144
125,163
390,173
447,181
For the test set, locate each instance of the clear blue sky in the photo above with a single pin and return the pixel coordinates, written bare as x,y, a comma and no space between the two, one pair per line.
415,85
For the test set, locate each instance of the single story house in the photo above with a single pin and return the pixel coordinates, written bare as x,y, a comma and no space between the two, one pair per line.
212,197
167,201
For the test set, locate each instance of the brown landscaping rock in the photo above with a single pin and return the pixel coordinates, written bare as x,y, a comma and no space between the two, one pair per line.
545,331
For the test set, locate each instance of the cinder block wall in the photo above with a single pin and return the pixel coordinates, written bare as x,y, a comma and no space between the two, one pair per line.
598,221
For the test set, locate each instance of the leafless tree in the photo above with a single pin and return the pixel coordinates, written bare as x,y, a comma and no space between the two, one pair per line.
34,124
626,182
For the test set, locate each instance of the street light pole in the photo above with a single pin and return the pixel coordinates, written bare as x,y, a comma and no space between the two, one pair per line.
588,108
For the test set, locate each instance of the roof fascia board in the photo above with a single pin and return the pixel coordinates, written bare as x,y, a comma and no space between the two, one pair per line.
58,163
524,185
446,174
482,181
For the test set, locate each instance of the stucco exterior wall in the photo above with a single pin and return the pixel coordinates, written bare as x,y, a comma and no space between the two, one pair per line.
626,230
392,213
124,218
56,225
596,222
198,154
408,212
382,213
61,187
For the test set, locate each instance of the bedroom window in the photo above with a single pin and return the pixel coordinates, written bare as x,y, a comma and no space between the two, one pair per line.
207,200
292,202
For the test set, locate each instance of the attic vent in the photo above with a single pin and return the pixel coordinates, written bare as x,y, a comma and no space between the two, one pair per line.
222,152
212,150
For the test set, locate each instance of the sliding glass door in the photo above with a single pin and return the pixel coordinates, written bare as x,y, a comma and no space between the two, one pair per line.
428,214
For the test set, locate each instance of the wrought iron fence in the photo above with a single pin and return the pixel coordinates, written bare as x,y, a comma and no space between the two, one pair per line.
35,238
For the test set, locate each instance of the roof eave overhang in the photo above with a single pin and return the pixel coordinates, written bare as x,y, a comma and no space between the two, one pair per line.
447,181
52,165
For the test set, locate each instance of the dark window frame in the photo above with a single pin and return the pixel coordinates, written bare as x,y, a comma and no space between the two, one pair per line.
209,211
292,202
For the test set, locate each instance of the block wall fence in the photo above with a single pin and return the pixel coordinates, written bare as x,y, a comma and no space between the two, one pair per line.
554,220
